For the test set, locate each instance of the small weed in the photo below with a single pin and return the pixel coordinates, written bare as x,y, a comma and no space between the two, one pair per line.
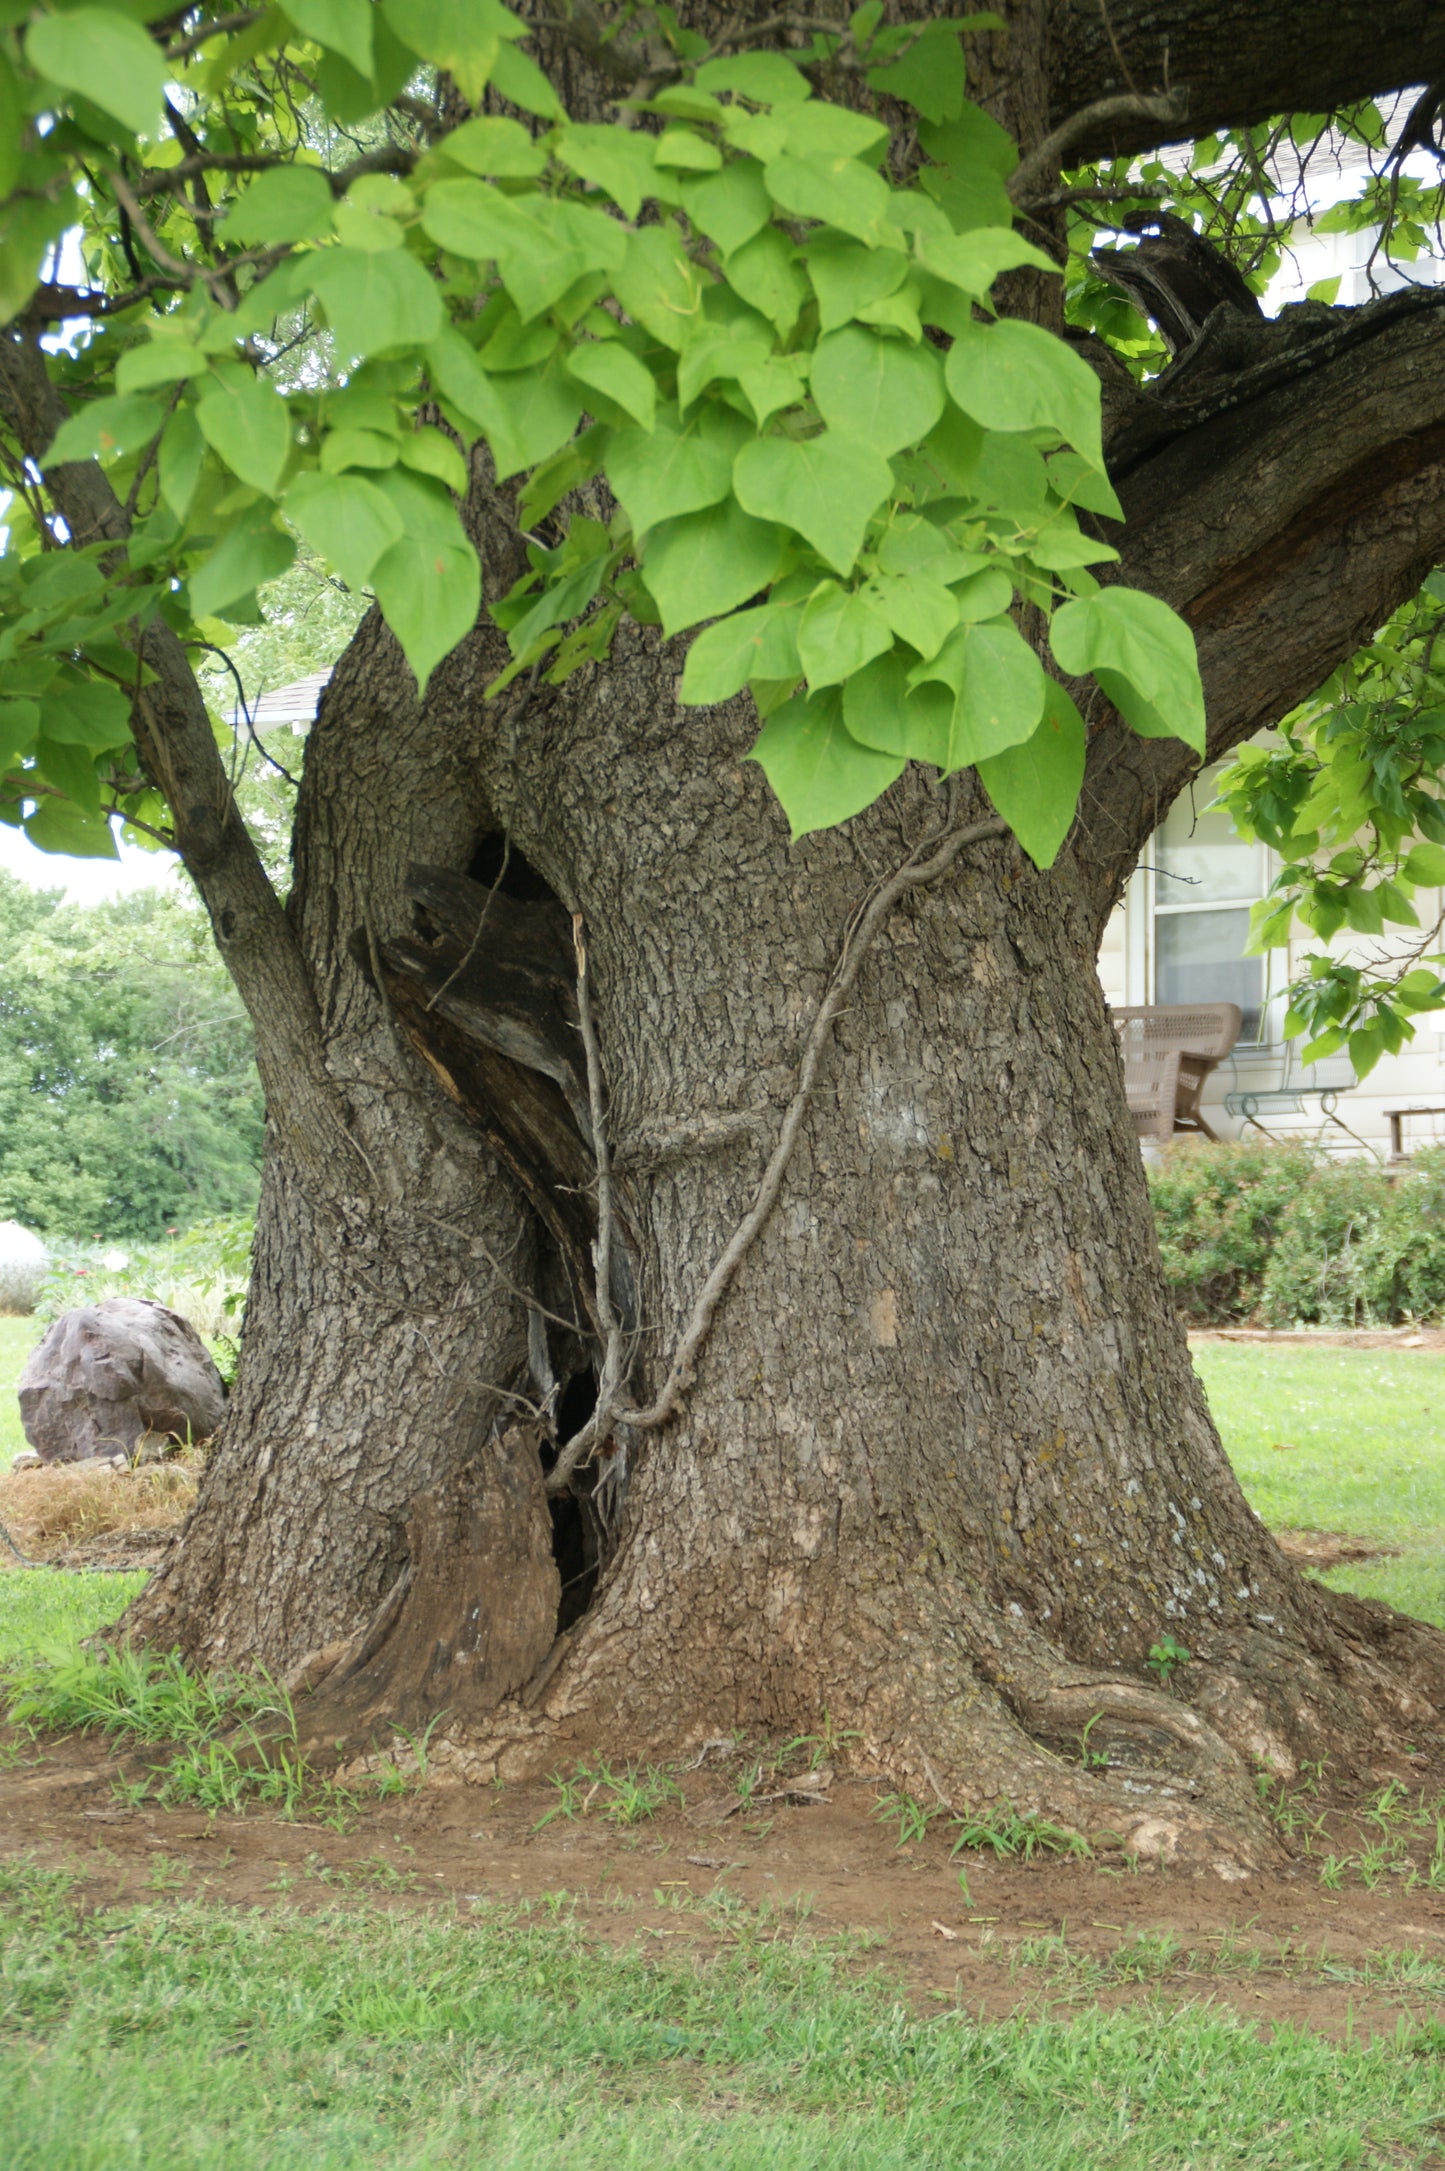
569,1801
168,1874
635,1795
1092,1759
1002,1831
1165,1659
749,1781
1144,1957
629,1796
1288,1810
372,1871
822,1747
911,1818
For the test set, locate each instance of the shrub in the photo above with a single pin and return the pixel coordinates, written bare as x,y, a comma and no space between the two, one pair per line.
1219,1210
1331,1262
1282,1236
202,1275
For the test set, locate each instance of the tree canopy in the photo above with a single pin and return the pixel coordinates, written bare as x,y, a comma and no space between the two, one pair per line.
292,285
764,321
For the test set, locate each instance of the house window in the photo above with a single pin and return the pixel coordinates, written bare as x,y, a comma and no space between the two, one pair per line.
1205,880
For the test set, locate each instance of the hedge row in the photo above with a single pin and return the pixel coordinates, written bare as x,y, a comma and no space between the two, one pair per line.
1275,1236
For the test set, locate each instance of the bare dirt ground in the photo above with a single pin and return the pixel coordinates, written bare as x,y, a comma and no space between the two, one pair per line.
1021,1936
1024,1937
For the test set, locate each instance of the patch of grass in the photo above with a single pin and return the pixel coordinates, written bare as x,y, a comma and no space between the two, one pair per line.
911,1818
17,1338
1001,1831
153,1697
1237,1954
372,1872
1347,1440
628,1796
183,2035
138,1696
50,1608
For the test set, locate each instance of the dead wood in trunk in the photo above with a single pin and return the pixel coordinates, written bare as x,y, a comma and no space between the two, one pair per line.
474,1613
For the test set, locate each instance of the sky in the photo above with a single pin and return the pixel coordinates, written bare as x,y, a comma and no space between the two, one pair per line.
86,881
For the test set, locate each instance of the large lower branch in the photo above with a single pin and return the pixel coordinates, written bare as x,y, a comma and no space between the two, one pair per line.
1231,63
1285,527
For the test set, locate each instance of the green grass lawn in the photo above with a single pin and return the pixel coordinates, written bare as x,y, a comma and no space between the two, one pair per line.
17,1338
1363,1432
185,2035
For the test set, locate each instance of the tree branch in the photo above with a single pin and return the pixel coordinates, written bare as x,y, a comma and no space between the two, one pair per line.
179,755
1284,511
1165,110
1235,63
220,26
169,180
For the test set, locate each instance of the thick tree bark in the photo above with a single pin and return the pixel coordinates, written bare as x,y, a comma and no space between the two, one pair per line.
1232,63
379,1343
944,1471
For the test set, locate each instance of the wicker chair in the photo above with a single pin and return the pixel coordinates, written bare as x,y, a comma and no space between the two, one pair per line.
1169,1050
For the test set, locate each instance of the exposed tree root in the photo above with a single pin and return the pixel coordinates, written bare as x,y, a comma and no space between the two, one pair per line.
934,1691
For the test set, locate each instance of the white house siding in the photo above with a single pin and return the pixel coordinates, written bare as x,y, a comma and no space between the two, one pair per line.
1414,1078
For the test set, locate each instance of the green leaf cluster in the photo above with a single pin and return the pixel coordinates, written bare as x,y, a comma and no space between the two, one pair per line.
1352,798
744,367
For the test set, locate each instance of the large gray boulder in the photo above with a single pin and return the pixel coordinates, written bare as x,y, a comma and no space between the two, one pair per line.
107,1374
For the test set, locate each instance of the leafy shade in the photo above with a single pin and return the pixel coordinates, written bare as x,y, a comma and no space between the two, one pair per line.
775,343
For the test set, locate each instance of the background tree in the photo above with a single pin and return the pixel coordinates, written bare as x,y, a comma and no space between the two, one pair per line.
747,1305
129,1101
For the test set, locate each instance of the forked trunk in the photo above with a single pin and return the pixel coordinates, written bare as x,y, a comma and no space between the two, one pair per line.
945,1473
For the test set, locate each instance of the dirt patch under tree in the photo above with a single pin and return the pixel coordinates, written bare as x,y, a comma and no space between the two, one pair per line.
757,1826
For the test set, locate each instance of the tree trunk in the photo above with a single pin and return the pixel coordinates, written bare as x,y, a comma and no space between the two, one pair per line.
944,1473
379,1345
